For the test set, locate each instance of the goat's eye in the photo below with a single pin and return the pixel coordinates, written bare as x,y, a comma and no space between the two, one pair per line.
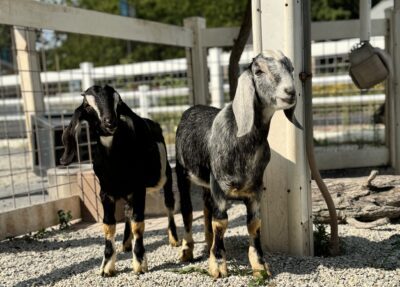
259,73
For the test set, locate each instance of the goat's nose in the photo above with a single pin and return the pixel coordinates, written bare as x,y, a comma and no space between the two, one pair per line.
290,91
108,122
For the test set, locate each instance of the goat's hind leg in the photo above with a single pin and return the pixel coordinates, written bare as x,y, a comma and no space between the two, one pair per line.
128,235
108,265
170,204
217,260
256,256
208,232
187,213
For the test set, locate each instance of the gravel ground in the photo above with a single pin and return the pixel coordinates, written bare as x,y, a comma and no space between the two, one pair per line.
72,258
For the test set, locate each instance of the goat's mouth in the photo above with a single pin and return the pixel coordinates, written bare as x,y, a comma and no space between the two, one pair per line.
109,131
289,100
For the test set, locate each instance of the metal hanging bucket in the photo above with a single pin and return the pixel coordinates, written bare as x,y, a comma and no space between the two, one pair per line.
368,66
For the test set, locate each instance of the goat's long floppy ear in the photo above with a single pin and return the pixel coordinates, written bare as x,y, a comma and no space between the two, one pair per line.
68,137
125,114
289,113
243,104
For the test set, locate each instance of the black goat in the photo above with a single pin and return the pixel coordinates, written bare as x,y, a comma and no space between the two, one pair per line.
130,157
226,151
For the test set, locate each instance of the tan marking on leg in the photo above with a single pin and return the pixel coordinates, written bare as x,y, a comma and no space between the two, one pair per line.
172,240
218,269
258,268
186,253
109,231
137,231
253,227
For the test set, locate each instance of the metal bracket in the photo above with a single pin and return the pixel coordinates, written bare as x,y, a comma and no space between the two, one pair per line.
303,76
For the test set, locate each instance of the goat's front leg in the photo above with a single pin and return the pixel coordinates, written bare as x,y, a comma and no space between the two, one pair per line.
256,256
108,265
139,262
217,260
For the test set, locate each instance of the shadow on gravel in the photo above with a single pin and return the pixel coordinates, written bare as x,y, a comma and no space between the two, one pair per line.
359,253
62,273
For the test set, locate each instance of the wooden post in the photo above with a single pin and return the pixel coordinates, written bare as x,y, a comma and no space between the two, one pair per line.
87,78
394,87
144,101
286,206
197,62
216,78
29,77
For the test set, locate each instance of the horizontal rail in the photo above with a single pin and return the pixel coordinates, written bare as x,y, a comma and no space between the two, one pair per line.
71,99
326,30
346,29
221,37
38,15
334,158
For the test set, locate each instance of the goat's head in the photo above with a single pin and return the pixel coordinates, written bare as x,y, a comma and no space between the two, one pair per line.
104,102
268,81
101,108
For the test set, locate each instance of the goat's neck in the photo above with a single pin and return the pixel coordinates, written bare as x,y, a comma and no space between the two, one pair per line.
263,115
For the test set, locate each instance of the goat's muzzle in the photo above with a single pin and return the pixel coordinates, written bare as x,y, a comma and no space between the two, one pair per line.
110,125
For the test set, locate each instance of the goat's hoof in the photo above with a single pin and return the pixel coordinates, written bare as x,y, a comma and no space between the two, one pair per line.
263,273
186,255
127,247
107,272
218,270
173,239
140,267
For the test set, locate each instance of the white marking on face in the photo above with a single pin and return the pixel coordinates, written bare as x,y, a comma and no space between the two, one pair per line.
106,141
163,163
92,102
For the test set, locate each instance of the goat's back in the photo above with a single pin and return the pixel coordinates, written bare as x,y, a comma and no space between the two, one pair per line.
192,140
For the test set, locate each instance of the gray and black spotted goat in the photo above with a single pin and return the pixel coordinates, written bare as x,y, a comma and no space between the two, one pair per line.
226,151
129,159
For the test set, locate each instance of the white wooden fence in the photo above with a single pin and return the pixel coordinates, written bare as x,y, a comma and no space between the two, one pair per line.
196,38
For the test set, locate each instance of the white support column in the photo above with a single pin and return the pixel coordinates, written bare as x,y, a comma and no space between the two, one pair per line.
216,77
394,88
365,20
144,100
87,79
29,76
286,206
197,62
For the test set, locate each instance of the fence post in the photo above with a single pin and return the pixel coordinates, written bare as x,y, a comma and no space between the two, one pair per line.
393,87
144,100
29,77
286,205
216,77
197,62
87,77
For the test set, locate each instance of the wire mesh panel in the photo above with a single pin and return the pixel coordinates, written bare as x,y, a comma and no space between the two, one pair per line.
344,116
35,111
